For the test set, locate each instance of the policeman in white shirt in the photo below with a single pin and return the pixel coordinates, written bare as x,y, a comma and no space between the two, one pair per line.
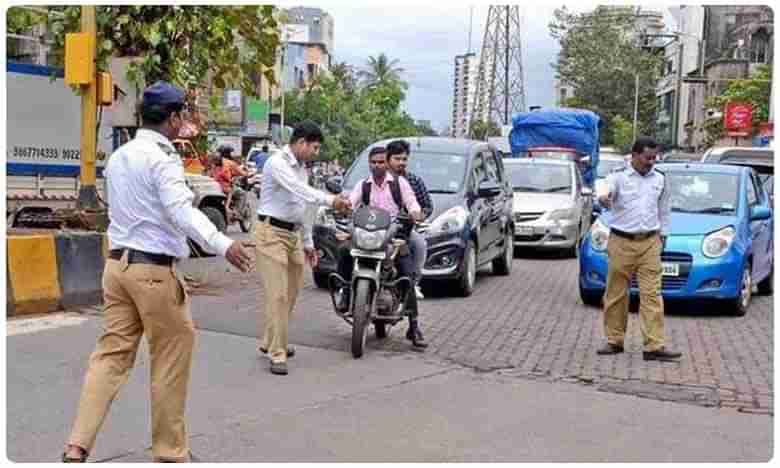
151,217
283,235
639,201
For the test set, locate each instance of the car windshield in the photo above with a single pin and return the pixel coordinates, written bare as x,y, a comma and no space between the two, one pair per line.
540,177
608,165
441,172
703,192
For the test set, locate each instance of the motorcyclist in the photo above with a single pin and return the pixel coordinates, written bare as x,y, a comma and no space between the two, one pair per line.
225,170
393,194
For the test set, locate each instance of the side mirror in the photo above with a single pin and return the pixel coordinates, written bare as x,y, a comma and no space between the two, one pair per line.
333,185
488,189
760,213
587,192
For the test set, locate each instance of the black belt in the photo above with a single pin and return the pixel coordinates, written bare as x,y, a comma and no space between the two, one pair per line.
278,223
138,256
633,236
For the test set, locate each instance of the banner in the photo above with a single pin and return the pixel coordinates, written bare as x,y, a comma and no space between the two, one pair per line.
738,119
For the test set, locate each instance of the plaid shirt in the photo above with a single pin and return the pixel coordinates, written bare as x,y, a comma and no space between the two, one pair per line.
421,193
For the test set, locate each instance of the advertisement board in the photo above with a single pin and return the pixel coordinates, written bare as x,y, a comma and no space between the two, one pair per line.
738,119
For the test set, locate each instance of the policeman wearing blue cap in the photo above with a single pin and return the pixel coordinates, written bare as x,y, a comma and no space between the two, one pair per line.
151,217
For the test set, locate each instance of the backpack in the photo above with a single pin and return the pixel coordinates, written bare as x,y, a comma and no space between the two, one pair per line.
395,190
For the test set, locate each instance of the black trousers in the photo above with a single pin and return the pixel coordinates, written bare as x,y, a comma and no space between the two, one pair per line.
406,267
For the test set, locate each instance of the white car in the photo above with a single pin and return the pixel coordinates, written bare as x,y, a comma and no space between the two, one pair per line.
552,206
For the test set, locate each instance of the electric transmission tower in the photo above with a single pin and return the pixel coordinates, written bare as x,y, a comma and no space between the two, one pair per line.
500,89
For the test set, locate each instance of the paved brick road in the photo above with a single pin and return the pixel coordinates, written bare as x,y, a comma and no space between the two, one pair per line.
533,325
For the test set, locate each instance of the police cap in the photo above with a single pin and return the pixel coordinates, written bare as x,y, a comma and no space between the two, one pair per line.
163,93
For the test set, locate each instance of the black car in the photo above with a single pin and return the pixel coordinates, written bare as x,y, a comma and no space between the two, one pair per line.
471,224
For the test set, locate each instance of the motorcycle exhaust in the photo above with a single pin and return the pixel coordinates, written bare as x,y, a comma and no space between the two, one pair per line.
335,283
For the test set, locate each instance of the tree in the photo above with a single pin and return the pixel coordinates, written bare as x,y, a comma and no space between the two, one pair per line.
21,20
382,71
622,134
755,89
183,44
480,130
600,57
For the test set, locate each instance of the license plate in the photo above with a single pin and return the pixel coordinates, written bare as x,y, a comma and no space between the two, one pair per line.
525,230
670,269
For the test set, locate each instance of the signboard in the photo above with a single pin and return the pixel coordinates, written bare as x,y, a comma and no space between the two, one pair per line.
738,119
296,33
232,100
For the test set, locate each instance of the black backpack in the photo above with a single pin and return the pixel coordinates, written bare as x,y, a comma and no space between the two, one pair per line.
395,190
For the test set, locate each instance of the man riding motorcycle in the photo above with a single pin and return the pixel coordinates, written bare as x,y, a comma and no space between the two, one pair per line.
392,194
224,169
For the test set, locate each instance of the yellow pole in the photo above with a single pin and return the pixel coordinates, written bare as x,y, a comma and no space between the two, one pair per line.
88,190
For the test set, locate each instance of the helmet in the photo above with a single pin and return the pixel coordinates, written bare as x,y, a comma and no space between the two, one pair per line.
225,150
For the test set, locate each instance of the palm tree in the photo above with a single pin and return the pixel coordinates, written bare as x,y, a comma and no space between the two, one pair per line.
382,70
344,75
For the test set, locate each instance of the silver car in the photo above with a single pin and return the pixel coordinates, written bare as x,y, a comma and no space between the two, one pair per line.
552,206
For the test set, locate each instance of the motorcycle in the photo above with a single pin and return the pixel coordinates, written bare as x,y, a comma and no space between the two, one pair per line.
242,206
379,293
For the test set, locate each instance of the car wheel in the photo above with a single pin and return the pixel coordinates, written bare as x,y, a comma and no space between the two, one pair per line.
468,274
320,280
742,302
766,286
502,265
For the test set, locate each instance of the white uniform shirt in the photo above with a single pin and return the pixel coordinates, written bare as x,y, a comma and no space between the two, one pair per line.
286,193
640,203
150,205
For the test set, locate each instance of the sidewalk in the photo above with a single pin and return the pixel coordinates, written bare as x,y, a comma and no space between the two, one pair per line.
386,407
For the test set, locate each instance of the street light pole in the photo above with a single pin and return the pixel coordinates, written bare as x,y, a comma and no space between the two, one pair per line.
636,103
676,120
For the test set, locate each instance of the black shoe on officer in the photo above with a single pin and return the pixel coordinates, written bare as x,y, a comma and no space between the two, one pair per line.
610,348
415,335
661,354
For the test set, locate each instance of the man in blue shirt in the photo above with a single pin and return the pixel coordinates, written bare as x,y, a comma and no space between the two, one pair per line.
259,158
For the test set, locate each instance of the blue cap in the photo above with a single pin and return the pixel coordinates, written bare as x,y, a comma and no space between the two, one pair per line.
162,93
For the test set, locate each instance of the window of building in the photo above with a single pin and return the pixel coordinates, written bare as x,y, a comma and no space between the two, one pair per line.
759,47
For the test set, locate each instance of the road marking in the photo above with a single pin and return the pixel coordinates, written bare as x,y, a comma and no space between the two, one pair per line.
40,323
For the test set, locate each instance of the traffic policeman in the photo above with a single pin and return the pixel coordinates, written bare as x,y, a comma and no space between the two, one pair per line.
639,199
151,216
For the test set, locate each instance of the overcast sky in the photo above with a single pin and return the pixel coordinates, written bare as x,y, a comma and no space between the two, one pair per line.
425,37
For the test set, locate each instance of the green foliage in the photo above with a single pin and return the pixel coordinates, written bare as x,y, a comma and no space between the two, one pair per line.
622,134
756,90
481,130
21,20
183,44
351,113
600,59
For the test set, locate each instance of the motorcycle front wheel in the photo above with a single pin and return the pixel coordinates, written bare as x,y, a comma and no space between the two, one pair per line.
360,316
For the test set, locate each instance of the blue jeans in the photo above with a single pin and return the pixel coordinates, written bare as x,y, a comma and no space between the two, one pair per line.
418,249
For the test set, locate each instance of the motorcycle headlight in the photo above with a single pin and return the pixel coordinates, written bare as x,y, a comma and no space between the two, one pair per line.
560,215
599,236
717,244
451,221
369,240
324,217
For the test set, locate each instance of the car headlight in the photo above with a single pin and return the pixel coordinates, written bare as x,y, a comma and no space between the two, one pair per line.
451,221
560,215
367,240
599,236
324,217
717,244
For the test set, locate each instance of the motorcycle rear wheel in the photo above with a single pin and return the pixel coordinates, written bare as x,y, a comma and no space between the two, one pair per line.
362,309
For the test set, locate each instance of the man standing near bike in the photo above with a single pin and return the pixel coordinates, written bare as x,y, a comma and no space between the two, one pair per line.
392,194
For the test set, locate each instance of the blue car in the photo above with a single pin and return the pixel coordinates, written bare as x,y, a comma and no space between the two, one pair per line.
721,240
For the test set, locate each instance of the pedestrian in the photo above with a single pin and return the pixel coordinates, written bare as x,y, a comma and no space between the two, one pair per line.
151,218
639,199
397,163
283,237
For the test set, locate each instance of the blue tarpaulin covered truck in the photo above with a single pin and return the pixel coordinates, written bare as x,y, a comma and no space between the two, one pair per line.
560,133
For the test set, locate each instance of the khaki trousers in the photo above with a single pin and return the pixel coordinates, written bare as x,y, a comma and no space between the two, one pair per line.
141,299
643,258
280,260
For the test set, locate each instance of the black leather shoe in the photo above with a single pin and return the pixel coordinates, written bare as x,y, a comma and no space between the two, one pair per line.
279,368
416,337
610,348
290,351
661,354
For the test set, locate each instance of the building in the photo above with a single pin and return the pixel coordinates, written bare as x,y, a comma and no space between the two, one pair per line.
464,93
562,92
716,44
308,38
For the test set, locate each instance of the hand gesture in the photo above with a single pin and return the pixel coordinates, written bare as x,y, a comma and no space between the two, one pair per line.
342,204
238,255
312,257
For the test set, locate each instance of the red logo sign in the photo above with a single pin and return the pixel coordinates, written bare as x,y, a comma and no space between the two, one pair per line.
738,118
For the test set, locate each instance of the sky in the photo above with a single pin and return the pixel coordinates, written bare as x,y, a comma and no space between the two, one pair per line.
425,36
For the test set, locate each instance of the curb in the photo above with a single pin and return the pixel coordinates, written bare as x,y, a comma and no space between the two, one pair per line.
47,271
